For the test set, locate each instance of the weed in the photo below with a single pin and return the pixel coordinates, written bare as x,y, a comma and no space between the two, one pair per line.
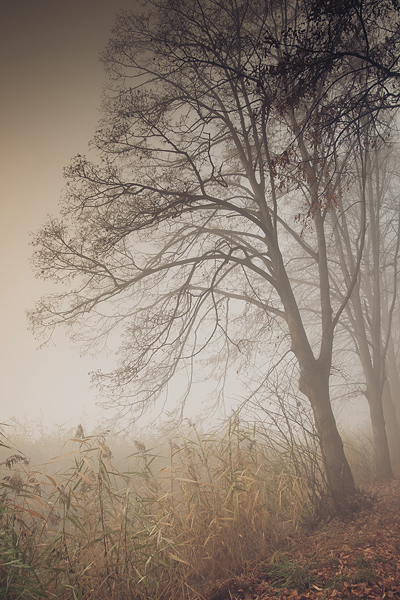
364,573
289,574
168,524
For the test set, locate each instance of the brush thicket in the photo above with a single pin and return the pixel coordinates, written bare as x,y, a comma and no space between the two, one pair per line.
168,526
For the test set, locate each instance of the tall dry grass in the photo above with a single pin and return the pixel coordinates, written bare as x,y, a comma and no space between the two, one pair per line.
166,524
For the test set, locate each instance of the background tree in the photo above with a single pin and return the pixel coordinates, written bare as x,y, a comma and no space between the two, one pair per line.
183,235
373,298
392,363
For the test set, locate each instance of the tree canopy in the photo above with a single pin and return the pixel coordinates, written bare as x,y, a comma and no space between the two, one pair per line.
202,225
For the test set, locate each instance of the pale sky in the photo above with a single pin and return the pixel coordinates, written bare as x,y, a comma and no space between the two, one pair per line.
51,82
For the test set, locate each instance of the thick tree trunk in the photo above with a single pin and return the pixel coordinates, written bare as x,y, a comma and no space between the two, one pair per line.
314,383
315,373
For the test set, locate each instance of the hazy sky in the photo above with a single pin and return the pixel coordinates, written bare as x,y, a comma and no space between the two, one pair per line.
51,82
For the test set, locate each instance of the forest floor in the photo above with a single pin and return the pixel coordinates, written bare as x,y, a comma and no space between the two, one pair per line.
342,559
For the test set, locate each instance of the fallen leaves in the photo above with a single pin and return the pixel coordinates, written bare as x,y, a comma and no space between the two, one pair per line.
358,558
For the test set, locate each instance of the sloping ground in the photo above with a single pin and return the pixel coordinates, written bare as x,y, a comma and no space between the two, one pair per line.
356,558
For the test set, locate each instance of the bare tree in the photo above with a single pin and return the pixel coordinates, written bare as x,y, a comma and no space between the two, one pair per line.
356,41
373,298
393,378
183,236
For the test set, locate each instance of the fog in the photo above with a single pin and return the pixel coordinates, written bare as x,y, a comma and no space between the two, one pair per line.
52,81
51,90
215,369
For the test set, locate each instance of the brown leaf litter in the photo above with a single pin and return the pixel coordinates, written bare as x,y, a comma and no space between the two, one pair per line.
357,558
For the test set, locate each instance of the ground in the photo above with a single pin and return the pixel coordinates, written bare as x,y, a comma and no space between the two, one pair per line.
358,557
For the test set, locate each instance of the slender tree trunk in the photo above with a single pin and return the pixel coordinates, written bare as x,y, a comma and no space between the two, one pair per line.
392,425
394,379
374,377
381,446
314,383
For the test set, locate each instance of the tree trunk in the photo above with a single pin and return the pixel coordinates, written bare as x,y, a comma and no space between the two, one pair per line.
314,383
392,425
394,379
315,372
381,446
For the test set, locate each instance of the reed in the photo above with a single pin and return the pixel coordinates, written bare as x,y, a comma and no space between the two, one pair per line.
169,522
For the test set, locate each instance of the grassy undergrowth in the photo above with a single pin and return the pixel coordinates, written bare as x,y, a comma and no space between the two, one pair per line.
165,523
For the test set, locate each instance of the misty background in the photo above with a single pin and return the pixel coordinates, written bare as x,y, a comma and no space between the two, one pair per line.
51,81
96,507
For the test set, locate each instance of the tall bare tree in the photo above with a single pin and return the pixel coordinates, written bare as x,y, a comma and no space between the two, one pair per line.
393,378
184,234
373,298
